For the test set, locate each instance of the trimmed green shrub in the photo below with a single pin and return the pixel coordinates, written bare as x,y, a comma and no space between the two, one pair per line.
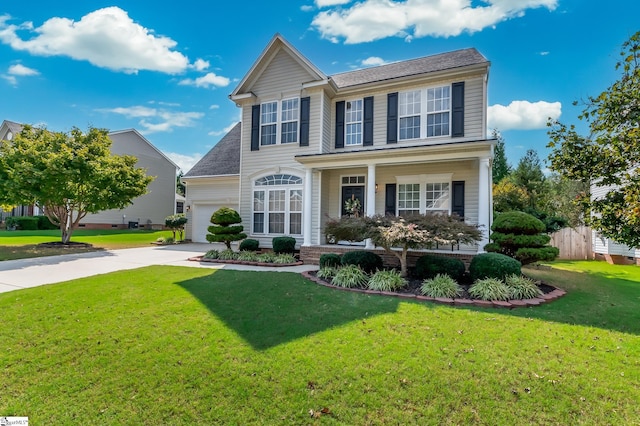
327,272
442,285
211,254
284,245
386,280
44,223
249,245
248,256
429,265
489,289
366,260
223,229
350,276
330,260
227,255
521,287
521,236
493,265
24,223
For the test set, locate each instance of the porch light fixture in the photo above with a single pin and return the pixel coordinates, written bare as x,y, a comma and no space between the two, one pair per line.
188,208
376,188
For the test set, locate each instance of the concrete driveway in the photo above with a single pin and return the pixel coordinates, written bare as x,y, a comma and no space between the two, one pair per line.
25,273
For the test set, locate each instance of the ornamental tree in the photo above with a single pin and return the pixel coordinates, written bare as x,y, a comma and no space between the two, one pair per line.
414,232
68,175
176,223
609,158
224,228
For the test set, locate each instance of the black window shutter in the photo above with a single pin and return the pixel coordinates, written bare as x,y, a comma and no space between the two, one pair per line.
392,117
390,199
255,128
367,132
340,124
457,109
457,198
304,121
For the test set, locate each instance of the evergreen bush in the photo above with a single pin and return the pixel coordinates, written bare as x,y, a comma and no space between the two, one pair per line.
366,260
224,229
284,245
249,245
429,265
330,260
493,265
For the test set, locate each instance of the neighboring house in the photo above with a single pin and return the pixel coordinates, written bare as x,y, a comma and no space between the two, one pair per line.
146,211
606,248
404,138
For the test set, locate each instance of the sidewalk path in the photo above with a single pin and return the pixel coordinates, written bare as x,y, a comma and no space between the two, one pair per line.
25,273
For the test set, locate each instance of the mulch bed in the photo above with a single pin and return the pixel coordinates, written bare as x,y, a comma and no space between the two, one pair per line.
61,245
412,291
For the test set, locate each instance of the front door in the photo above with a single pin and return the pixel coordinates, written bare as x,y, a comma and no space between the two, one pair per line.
352,192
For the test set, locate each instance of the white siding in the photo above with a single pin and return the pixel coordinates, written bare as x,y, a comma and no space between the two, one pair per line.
604,245
204,194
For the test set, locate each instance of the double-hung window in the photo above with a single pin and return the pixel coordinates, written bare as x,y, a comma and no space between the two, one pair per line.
277,205
424,113
424,194
279,121
353,122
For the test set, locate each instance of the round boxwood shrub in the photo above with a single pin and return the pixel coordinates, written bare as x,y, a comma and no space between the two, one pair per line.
368,261
525,223
329,260
284,245
430,265
493,265
249,245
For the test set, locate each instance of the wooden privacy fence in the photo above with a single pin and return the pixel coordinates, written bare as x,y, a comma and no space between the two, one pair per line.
574,243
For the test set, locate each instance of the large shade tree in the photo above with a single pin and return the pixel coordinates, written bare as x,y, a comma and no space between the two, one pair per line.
609,157
68,175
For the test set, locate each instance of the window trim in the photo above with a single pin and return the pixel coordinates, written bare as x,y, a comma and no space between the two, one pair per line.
422,180
424,113
280,121
348,123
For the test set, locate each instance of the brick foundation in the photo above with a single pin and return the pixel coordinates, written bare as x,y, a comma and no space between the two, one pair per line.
311,255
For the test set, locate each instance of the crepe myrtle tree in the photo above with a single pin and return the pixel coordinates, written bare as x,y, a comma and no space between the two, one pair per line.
68,175
413,232
176,223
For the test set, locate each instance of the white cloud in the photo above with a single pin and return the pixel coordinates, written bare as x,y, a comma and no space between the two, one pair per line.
206,81
371,20
107,38
325,3
223,131
214,106
154,120
201,64
522,115
373,61
19,69
184,161
306,8
11,79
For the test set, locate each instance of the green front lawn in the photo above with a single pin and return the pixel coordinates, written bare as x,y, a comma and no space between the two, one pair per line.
170,345
24,244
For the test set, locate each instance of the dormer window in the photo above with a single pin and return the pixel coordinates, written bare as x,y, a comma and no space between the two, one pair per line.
279,125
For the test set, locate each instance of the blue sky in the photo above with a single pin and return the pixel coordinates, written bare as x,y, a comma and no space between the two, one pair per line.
167,68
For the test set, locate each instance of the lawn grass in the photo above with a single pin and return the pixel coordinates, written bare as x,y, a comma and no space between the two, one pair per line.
24,244
183,346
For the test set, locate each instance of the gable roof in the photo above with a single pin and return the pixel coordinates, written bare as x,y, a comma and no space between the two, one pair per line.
276,44
427,64
13,126
222,159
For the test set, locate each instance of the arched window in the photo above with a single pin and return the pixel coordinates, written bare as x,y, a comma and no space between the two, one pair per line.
277,205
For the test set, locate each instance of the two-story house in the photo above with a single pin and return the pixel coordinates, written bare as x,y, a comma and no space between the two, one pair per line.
403,138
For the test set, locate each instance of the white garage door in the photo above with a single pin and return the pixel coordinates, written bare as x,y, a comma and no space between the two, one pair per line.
202,220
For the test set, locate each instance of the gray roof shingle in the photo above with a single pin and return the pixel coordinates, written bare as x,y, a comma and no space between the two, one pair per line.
427,64
222,159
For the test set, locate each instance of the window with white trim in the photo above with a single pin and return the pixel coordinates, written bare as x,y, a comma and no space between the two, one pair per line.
279,121
423,194
353,122
424,113
277,205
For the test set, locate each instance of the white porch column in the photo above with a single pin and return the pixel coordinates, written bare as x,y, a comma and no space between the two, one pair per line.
307,207
371,197
484,201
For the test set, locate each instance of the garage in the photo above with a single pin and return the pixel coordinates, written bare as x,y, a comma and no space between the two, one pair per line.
201,220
